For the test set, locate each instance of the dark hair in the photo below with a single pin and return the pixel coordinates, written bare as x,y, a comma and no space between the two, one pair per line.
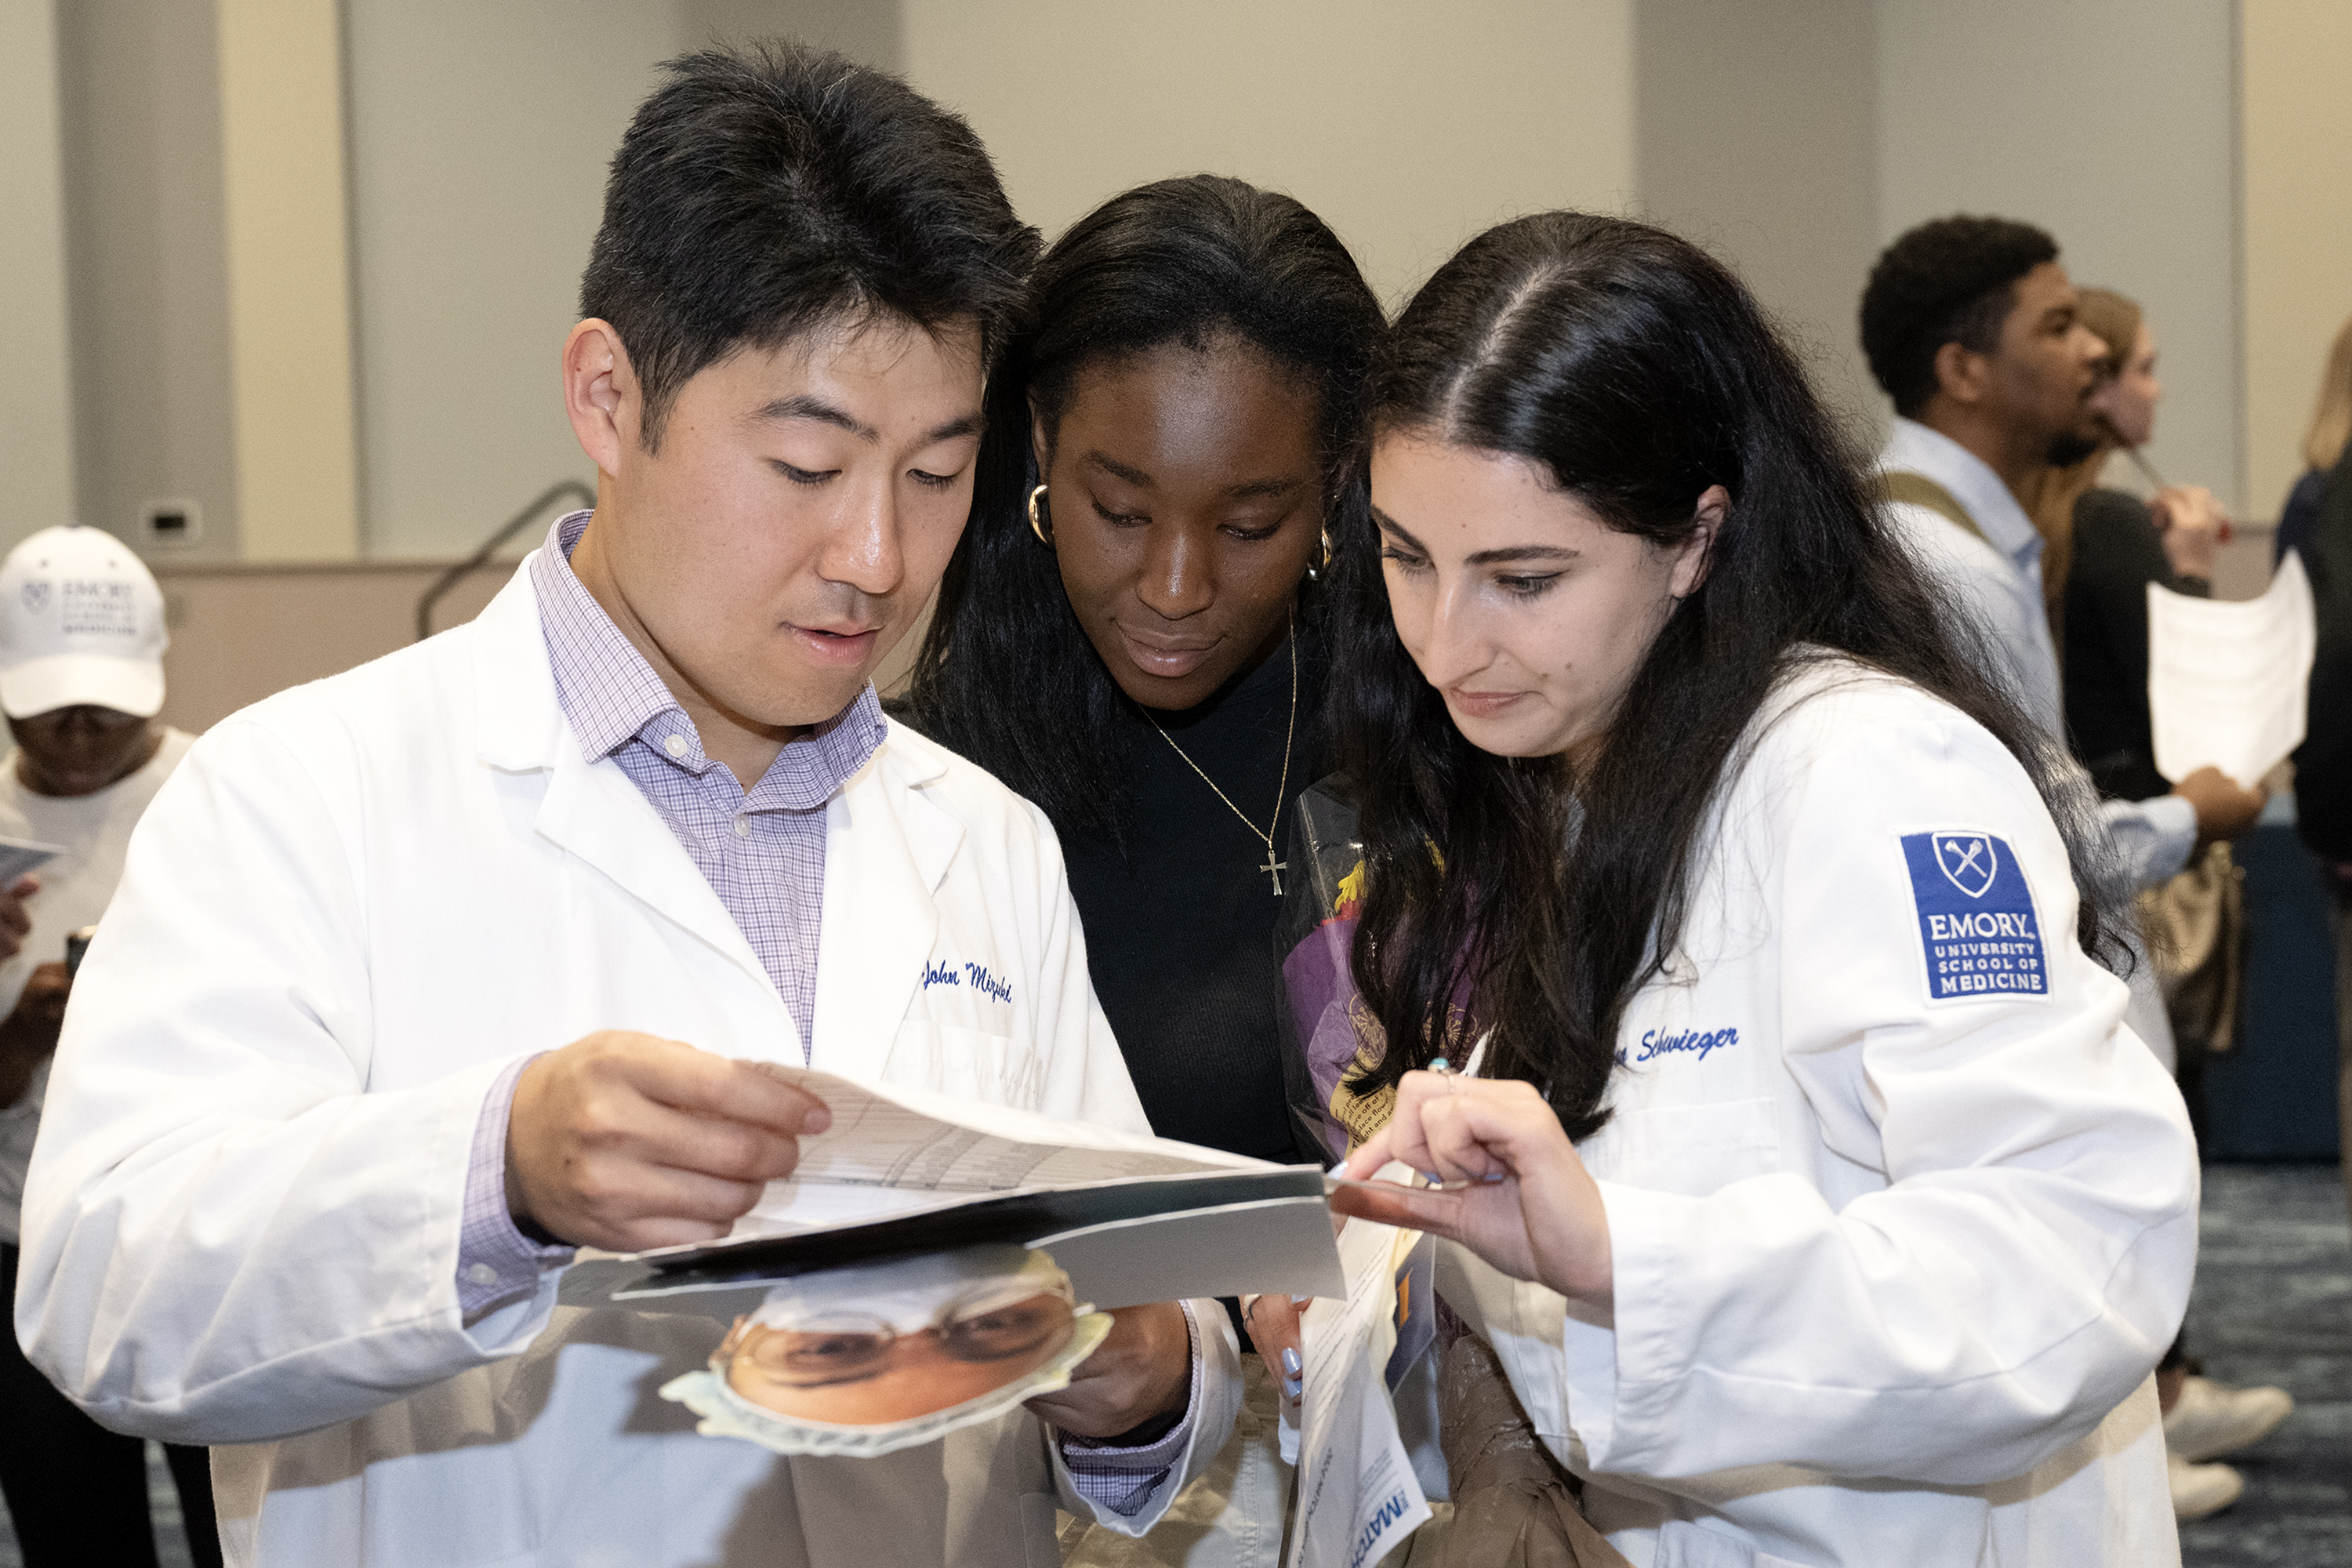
762,194
1006,675
1953,280
1637,372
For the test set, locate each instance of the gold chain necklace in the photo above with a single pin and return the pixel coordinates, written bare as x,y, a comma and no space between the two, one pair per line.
1273,867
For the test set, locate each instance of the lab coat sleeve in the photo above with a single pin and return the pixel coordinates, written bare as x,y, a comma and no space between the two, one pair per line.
1217,1401
226,1239
2030,1255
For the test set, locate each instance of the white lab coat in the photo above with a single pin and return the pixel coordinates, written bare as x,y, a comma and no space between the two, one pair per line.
355,904
1891,1272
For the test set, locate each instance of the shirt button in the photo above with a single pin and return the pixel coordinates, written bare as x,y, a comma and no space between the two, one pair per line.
743,826
675,745
482,1274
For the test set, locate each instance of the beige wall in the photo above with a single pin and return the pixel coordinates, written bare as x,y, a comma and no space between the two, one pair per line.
2111,123
241,632
289,302
2297,57
36,460
148,264
1408,127
1755,128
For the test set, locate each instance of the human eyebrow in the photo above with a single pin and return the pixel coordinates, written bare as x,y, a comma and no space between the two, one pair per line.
1256,488
1519,552
971,423
802,406
1389,525
1118,470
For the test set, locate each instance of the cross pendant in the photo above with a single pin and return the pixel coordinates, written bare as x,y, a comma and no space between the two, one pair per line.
1275,869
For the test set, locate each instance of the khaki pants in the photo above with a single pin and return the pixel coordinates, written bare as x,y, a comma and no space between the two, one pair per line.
1232,1514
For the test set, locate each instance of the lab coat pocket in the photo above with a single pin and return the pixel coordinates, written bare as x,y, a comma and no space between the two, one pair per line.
1695,1149
994,1069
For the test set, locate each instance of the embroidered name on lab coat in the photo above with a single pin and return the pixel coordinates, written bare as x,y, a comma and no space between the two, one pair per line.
974,976
1976,915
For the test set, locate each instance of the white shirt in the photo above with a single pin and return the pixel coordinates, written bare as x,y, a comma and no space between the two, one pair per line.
1892,1267
94,830
1998,579
352,907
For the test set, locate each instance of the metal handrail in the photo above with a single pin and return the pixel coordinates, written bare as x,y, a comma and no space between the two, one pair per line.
480,558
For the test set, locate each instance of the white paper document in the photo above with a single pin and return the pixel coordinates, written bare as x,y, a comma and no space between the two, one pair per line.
18,856
902,1171
2227,682
1358,1497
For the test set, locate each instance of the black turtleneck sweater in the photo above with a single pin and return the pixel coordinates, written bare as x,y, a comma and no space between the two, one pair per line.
1180,929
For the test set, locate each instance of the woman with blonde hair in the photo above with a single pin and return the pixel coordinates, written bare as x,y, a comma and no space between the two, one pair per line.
2323,449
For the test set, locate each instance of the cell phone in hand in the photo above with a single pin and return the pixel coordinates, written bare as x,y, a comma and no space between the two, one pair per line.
77,943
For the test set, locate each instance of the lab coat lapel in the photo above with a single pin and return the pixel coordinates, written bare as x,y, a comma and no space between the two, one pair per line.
887,848
590,809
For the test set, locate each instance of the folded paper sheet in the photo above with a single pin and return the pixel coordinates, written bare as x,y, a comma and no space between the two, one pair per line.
902,1171
2228,683
1358,1495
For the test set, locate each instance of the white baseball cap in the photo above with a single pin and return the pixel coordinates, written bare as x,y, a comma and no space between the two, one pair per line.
81,621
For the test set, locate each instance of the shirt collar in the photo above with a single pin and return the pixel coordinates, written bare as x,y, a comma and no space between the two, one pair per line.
1914,447
610,695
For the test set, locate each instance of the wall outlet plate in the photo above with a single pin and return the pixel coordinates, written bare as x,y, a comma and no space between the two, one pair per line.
171,524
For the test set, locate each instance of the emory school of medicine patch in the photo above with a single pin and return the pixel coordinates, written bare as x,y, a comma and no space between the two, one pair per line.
1976,920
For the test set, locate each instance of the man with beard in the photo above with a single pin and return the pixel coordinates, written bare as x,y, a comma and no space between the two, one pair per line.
1970,326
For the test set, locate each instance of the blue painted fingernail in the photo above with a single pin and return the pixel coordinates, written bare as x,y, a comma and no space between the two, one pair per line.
1300,1301
1439,1064
1290,1362
1433,1178
1292,1386
1491,1178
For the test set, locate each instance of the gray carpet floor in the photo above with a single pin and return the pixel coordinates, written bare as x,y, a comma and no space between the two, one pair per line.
2274,1304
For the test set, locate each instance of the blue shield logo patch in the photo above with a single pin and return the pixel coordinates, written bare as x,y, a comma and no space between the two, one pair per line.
1967,859
1979,930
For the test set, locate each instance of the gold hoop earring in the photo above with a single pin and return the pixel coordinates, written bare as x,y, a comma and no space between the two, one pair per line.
1315,572
1036,524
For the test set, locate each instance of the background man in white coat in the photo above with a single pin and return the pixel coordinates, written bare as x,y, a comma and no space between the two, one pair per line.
478,953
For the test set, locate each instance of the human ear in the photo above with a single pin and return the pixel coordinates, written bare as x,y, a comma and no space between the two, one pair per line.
600,393
1695,556
1960,374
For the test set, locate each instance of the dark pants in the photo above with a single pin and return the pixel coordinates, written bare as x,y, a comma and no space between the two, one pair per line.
77,1492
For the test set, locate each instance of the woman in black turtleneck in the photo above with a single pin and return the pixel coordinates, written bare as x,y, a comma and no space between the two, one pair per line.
1130,633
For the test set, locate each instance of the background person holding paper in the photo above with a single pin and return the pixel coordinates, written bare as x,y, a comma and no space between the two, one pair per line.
1812,1196
81,679
423,975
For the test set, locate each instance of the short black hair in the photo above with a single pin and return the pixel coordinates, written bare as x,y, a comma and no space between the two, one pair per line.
765,191
1953,280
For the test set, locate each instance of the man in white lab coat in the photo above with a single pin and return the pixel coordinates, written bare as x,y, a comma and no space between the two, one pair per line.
424,975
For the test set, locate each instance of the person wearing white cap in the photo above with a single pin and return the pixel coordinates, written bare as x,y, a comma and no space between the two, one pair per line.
81,679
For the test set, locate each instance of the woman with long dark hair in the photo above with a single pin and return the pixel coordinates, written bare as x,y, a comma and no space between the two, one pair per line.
1804,1181
1131,634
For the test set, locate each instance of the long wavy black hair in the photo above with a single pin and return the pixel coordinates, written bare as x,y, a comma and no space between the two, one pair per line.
1006,675
1637,372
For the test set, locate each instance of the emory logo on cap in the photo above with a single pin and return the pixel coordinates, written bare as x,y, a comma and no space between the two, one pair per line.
82,624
